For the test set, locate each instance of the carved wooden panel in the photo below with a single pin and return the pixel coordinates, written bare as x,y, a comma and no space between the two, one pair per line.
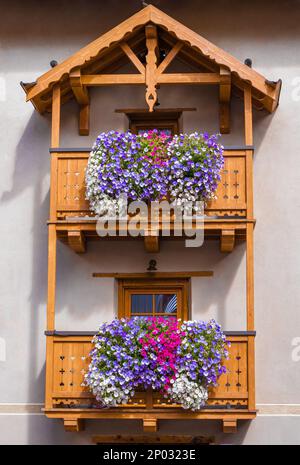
231,191
71,185
71,361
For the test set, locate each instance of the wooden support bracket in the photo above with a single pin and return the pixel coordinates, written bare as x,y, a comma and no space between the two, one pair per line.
132,57
150,425
227,240
224,98
73,425
151,241
229,426
151,68
82,96
76,241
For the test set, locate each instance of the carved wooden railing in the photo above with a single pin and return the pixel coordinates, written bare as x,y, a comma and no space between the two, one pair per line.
70,359
68,182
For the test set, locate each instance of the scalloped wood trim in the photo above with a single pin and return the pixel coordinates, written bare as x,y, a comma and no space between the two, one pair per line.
269,90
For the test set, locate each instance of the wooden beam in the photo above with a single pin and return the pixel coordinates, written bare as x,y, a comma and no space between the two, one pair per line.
132,57
188,78
52,240
248,114
170,57
151,65
150,439
78,88
73,425
250,277
227,240
156,275
55,123
251,373
229,426
150,425
84,120
76,241
112,79
224,99
151,241
82,96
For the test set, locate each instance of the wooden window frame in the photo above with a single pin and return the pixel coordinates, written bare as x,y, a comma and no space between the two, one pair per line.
127,287
172,125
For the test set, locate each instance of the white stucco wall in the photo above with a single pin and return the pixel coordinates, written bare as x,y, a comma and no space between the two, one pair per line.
31,35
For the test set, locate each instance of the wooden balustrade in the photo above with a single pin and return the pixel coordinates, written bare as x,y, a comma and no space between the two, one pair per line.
70,185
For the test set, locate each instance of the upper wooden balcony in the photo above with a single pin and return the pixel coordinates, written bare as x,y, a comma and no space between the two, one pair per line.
225,218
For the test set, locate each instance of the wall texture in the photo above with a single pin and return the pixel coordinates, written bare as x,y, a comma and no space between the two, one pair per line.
31,35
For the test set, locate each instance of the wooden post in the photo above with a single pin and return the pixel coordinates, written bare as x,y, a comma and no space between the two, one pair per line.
55,128
249,244
248,114
224,100
51,277
250,315
249,153
55,134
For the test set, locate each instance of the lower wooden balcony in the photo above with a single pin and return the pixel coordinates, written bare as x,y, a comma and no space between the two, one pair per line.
66,397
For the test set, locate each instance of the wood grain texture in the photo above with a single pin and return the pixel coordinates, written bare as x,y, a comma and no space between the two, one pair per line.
267,92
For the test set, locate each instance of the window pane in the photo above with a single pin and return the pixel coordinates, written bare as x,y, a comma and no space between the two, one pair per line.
165,303
141,303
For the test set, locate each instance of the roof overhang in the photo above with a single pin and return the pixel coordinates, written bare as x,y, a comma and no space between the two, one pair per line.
105,54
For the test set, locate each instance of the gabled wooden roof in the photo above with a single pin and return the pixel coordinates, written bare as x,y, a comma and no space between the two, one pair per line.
104,54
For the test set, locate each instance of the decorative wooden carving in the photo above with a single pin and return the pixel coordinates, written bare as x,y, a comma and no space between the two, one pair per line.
266,93
151,60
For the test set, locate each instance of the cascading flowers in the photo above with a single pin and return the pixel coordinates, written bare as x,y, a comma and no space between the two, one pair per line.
194,165
125,164
181,361
149,166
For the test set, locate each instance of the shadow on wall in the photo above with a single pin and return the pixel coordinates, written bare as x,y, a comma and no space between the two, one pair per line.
32,171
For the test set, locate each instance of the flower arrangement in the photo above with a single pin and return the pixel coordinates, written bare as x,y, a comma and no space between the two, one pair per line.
149,166
125,163
179,360
194,165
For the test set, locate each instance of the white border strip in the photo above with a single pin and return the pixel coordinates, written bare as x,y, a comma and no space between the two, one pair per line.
20,409
35,409
278,409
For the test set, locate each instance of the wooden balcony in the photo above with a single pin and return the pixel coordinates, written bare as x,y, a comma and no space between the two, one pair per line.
68,399
226,217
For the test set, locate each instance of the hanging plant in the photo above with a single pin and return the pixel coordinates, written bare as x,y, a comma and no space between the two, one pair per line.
125,163
195,162
151,165
181,362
